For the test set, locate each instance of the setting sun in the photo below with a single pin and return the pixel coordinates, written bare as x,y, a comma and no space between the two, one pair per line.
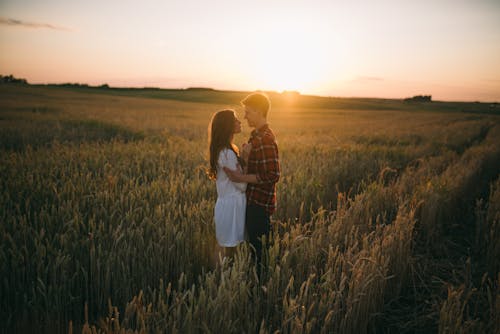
383,49
293,58
284,166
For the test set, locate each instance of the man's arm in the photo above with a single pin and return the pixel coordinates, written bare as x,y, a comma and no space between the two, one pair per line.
269,171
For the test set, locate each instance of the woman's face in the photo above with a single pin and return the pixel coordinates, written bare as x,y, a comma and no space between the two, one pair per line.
237,125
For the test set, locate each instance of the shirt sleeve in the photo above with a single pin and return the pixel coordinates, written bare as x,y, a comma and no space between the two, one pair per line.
269,163
227,158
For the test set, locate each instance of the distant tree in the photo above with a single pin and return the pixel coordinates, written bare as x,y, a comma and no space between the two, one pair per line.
105,86
290,97
73,85
419,98
200,89
290,93
11,79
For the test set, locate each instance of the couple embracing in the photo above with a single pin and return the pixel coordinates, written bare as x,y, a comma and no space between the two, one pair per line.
246,180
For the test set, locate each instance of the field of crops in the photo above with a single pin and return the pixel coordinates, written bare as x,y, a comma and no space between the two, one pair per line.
388,217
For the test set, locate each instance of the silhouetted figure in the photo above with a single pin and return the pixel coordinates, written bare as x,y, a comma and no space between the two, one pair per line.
263,171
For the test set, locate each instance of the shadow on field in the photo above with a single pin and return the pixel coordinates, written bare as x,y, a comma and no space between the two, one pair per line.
16,135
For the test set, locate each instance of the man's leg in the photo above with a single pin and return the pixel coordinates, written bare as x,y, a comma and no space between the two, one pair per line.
258,225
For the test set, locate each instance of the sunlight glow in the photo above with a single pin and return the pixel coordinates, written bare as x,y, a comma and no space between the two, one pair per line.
392,49
295,58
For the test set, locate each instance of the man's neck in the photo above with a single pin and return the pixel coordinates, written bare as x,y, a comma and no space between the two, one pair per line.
260,123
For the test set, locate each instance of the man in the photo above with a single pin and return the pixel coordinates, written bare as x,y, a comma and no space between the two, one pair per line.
263,171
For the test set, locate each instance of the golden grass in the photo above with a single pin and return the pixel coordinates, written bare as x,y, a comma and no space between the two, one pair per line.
112,232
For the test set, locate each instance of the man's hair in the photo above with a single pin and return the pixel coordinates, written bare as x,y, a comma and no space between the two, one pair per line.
258,101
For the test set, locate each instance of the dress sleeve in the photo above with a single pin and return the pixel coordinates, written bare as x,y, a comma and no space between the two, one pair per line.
227,158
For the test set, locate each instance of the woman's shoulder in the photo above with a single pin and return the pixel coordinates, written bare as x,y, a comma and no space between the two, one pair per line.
226,154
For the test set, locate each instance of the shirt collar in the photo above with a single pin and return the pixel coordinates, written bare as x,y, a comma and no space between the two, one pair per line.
260,130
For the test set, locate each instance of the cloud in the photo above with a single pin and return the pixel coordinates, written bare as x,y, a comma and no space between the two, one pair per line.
34,25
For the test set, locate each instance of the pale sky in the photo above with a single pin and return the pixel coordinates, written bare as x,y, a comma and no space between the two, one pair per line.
387,48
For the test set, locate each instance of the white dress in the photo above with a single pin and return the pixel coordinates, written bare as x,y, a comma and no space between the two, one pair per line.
231,203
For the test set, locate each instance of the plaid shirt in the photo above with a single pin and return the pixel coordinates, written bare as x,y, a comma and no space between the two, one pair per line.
264,162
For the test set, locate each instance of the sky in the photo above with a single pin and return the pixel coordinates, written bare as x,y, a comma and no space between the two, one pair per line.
449,49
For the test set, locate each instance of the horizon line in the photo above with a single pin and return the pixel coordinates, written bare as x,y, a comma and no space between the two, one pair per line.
107,86
100,86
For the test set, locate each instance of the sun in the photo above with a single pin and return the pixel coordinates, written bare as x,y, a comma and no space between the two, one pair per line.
292,59
285,71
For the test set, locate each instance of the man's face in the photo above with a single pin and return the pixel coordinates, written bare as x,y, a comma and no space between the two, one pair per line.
251,115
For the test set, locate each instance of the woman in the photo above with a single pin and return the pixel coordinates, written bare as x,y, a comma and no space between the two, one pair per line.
231,199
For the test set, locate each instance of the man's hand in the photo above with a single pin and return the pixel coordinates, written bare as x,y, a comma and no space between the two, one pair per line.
233,175
245,152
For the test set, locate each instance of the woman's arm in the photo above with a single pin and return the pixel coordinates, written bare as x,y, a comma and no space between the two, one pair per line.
269,170
228,160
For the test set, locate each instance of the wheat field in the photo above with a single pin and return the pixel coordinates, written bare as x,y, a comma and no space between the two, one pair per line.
388,217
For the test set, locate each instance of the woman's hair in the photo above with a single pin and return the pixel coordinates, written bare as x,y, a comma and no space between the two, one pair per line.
220,134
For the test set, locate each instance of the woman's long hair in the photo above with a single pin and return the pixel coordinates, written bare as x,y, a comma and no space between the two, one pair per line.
220,135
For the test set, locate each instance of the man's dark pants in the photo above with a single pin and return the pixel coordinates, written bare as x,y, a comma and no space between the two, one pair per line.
257,225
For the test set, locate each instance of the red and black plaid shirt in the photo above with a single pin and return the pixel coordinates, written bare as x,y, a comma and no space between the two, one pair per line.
264,162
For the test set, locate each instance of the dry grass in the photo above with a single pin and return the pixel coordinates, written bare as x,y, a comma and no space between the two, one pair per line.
108,227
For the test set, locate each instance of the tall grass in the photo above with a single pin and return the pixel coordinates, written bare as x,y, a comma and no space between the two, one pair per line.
107,223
